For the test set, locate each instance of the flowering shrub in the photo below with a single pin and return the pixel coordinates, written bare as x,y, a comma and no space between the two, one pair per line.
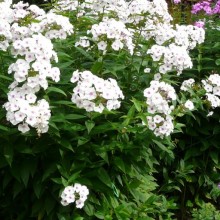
104,84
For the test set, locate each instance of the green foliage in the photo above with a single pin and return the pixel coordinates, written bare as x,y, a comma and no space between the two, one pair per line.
207,212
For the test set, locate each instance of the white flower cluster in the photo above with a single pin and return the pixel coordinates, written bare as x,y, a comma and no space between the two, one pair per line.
83,42
35,67
117,7
6,17
29,20
6,11
33,70
141,11
78,7
23,109
94,7
112,30
212,87
5,34
172,44
77,193
189,36
54,26
29,30
94,94
67,5
171,57
187,84
159,96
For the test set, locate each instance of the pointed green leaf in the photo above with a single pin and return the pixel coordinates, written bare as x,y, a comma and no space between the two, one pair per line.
56,90
89,125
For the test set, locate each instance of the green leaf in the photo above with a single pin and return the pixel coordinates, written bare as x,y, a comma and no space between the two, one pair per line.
161,146
37,188
56,90
63,55
98,129
6,77
78,218
99,214
4,128
25,172
108,217
129,116
96,68
58,118
22,148
8,154
47,172
137,104
217,62
89,125
76,127
62,102
104,177
89,209
86,54
82,141
66,144
17,188
49,204
214,157
120,164
66,64
74,116
73,177
57,180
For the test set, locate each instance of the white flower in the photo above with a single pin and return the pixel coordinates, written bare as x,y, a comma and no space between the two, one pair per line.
189,105
210,113
102,45
79,204
187,84
157,76
147,70
83,41
117,44
23,128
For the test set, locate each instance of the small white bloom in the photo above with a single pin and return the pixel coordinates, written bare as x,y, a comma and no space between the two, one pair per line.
189,105
147,70
23,128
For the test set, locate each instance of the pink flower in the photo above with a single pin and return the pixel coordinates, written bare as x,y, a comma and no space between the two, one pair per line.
177,1
199,24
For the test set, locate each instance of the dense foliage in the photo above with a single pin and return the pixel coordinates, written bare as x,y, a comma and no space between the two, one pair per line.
107,114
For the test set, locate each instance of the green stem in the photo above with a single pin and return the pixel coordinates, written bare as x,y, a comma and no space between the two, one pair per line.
199,66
